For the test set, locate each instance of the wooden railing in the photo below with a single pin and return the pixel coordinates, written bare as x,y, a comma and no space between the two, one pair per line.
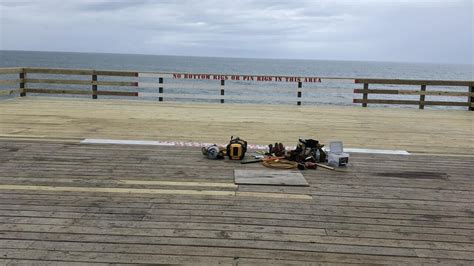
23,81
422,92
93,82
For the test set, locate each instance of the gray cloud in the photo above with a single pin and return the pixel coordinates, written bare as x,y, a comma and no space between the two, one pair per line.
403,30
113,5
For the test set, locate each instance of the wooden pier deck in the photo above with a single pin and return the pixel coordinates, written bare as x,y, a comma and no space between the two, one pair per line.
65,202
417,131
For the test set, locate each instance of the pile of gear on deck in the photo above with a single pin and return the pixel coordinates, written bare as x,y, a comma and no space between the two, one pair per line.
308,154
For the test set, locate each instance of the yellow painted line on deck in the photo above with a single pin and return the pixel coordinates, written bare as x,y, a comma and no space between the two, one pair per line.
14,137
274,195
121,190
156,191
174,183
19,136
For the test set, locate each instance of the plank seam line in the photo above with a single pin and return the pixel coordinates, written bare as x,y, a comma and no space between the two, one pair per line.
211,238
216,246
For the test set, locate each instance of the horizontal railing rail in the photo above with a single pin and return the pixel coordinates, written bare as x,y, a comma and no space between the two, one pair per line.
11,70
81,82
414,92
88,72
228,87
417,82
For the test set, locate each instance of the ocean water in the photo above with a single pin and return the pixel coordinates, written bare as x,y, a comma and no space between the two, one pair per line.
321,93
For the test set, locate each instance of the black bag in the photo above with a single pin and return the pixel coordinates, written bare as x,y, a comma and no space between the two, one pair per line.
308,150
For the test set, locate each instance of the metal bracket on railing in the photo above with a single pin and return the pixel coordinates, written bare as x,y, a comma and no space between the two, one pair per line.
470,99
222,89
300,85
22,83
160,89
94,85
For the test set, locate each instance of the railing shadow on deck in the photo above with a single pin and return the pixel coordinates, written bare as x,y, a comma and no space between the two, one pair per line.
221,88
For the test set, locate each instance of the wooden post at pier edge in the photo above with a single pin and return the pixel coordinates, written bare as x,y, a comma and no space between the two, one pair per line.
471,99
23,83
365,96
300,85
422,97
222,89
94,85
160,89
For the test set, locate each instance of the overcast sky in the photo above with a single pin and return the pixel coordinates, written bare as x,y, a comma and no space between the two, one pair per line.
381,30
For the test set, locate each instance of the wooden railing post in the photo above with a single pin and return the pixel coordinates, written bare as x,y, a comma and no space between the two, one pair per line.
160,89
422,97
222,89
23,83
94,85
300,85
470,99
365,96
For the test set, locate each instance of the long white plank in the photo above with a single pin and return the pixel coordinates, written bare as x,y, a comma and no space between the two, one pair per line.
201,144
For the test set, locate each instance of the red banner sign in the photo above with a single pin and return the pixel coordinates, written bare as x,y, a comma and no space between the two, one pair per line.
246,78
